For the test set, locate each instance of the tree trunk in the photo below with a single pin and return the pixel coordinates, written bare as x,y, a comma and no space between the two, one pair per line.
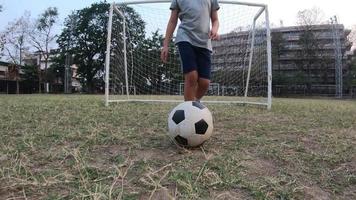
39,82
91,87
45,71
17,86
309,79
39,75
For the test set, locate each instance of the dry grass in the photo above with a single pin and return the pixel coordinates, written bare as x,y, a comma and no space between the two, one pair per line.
72,147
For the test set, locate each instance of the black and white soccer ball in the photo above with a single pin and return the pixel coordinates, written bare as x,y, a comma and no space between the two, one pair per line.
190,124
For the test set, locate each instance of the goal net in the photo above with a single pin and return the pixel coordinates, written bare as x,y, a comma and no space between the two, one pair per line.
241,59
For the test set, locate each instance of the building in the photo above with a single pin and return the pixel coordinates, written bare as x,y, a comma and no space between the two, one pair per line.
38,59
304,59
11,81
4,84
230,63
56,84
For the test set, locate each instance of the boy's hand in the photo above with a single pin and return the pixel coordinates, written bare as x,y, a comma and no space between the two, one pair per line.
164,54
214,34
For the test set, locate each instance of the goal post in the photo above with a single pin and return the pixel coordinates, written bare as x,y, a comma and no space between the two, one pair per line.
241,59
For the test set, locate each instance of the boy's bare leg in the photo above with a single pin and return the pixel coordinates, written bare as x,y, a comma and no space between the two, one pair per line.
203,86
190,86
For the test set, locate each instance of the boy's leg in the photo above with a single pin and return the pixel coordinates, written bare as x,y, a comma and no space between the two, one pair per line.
189,66
204,71
203,86
190,85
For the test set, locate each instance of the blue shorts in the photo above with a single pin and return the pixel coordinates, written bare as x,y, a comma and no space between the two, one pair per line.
195,59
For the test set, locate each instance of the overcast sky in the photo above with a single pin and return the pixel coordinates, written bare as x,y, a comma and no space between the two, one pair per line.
285,10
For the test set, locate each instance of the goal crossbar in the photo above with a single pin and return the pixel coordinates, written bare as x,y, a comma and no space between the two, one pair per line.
129,2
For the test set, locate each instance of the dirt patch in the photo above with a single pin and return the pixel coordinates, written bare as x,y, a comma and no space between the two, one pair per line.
259,168
165,193
7,193
310,144
168,152
348,166
230,195
316,193
3,158
110,149
350,192
102,156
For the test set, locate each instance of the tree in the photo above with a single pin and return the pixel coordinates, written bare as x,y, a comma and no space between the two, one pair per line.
84,38
15,39
350,78
278,48
30,75
15,42
159,77
57,66
2,44
352,37
309,54
1,38
14,75
310,17
350,81
42,37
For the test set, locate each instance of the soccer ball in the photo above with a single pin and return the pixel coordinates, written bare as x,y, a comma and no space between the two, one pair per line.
190,124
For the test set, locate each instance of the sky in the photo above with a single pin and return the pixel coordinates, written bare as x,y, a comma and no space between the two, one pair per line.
285,10
13,9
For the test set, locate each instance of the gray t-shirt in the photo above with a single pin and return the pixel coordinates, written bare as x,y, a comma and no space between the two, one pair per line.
195,21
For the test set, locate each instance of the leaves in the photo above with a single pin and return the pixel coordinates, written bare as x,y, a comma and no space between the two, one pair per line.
309,56
47,19
42,37
84,37
30,73
41,34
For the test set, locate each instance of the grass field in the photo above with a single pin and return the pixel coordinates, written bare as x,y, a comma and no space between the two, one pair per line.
72,147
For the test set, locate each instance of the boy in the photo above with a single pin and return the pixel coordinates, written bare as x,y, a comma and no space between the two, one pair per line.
194,42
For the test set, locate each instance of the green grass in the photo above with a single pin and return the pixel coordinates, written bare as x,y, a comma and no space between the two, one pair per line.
73,147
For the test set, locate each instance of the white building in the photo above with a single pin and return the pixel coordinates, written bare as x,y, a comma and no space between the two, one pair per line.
38,59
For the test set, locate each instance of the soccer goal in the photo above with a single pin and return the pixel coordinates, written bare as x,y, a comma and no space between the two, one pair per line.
241,59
